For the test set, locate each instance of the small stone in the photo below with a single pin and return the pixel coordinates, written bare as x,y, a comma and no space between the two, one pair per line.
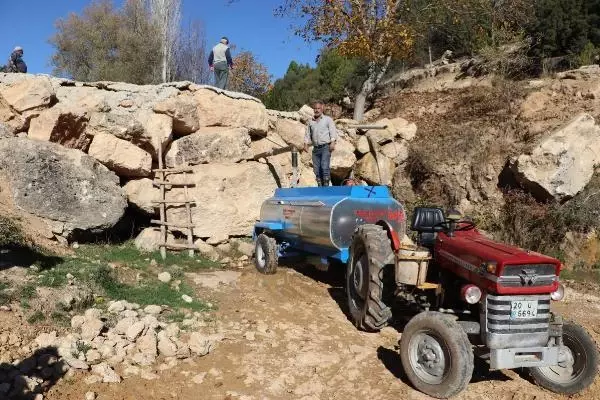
90,396
93,313
91,328
39,396
116,307
76,363
77,321
93,379
123,325
153,309
6,308
131,370
147,344
135,330
243,258
153,263
106,372
198,379
165,346
226,260
186,298
148,375
250,335
129,314
93,356
201,344
164,277
70,276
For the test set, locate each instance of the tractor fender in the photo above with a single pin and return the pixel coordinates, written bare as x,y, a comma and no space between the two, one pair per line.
392,234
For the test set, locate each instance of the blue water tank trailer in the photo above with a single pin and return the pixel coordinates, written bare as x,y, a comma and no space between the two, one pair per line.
320,221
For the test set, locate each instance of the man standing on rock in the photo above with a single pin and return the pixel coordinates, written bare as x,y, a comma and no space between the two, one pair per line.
220,62
321,134
15,62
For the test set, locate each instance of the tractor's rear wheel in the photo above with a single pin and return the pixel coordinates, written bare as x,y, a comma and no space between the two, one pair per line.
265,254
370,252
577,363
436,355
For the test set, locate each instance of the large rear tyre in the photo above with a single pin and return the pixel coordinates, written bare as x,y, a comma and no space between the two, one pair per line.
436,355
265,254
370,252
577,367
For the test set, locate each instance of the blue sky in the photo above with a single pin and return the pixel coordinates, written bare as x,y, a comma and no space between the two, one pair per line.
249,24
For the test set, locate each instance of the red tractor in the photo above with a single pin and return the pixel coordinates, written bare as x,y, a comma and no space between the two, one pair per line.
469,295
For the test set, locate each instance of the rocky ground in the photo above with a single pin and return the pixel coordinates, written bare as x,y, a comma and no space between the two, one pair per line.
271,337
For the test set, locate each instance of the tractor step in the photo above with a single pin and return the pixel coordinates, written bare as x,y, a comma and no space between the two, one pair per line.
428,286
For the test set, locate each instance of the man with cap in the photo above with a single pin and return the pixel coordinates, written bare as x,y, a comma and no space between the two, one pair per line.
220,62
15,62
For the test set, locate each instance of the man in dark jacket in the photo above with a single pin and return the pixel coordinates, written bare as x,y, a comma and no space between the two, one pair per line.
15,62
220,62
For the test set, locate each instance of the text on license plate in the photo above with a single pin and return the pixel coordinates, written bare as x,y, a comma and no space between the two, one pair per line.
523,309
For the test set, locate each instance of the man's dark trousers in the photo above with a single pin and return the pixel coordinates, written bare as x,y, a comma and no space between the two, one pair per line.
320,158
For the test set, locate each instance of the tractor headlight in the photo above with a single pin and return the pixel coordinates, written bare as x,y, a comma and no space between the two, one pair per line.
470,293
559,293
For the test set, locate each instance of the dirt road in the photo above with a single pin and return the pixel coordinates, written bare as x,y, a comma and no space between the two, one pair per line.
286,337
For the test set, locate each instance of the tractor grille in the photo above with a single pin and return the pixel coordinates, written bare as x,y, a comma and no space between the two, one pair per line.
528,275
499,315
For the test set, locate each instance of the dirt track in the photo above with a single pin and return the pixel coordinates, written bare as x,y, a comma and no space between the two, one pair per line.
287,337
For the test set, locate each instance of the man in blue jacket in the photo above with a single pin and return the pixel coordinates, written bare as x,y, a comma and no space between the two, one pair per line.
15,62
220,62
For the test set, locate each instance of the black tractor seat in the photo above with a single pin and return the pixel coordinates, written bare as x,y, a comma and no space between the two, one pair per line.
426,221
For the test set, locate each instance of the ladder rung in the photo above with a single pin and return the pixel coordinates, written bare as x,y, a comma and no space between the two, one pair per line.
180,246
173,202
173,170
165,183
174,225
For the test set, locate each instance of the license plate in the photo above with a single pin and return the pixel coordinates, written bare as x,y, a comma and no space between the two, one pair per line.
523,309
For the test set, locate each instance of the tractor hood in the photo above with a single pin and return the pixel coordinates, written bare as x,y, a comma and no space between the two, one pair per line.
517,271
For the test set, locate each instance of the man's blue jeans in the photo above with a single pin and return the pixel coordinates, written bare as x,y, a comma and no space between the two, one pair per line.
320,158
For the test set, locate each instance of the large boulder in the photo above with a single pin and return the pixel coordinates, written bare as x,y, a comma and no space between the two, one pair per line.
210,145
64,126
229,197
375,171
142,193
183,110
563,162
221,108
65,186
291,131
34,93
397,151
12,121
120,156
5,130
342,158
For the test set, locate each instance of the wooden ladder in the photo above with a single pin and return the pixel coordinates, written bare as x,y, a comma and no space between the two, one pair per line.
161,181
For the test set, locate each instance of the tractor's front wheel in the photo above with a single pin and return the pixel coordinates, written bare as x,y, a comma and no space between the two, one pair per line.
370,252
577,363
265,254
436,355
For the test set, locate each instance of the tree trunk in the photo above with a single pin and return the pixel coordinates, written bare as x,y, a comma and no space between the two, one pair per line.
368,87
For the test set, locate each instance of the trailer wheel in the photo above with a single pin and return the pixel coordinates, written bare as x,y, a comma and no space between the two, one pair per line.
578,363
436,355
369,253
265,255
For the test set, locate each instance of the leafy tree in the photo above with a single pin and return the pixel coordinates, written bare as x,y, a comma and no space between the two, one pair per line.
107,44
249,75
371,30
190,57
166,15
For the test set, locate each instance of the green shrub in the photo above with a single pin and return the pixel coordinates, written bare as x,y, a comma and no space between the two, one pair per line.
11,233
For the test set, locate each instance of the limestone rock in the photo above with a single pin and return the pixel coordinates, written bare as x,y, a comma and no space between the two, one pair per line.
147,344
292,132
562,164
342,158
91,328
362,145
61,184
220,108
201,344
164,277
64,126
306,113
229,197
210,145
141,193
122,327
396,151
153,309
149,240
166,347
404,129
243,247
375,171
28,94
135,330
120,156
207,250
183,110
107,374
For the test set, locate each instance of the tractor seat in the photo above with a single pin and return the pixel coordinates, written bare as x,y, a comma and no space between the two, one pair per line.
424,221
